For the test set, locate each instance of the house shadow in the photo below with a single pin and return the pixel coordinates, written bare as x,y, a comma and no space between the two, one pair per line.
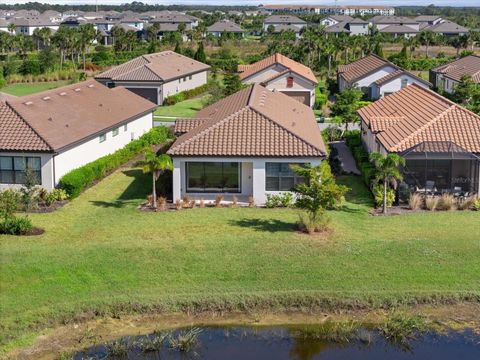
138,189
269,225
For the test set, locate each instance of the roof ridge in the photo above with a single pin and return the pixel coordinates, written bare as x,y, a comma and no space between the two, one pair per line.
29,125
424,127
284,128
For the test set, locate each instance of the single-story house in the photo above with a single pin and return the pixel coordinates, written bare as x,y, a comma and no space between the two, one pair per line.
448,28
355,26
439,139
279,73
243,146
335,19
376,77
396,31
157,76
58,130
446,77
225,27
428,20
381,22
283,23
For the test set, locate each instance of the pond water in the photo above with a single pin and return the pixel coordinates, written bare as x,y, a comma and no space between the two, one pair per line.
279,343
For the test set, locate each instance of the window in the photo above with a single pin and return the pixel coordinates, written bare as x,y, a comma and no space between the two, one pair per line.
280,177
110,84
213,177
179,81
404,83
290,82
115,132
102,137
125,127
12,169
190,77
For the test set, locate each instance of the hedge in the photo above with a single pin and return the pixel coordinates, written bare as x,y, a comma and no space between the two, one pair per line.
189,94
75,181
354,142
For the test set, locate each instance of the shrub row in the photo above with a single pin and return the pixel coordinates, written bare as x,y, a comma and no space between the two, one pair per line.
229,65
189,94
53,76
78,179
354,142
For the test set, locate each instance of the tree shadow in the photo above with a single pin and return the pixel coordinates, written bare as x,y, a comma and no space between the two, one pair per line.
270,225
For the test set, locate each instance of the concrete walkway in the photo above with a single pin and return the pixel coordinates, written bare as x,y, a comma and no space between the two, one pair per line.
346,158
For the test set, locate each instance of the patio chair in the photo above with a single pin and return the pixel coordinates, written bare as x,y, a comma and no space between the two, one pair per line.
430,187
458,191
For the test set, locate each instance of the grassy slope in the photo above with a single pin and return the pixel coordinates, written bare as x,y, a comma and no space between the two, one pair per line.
99,250
187,108
22,89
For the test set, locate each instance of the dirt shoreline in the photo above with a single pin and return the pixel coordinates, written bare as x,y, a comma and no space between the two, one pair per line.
78,335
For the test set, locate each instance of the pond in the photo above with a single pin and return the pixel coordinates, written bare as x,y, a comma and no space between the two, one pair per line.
300,343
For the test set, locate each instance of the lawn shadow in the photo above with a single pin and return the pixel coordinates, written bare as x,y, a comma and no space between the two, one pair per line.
138,189
358,192
270,225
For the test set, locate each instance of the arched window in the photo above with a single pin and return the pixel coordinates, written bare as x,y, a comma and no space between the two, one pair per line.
289,81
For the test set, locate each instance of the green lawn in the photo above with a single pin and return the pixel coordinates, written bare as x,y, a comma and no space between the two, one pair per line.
187,108
100,251
22,89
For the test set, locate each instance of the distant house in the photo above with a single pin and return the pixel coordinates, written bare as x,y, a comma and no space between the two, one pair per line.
396,26
448,28
27,26
355,26
284,23
59,130
279,73
446,77
157,76
225,27
243,146
376,77
439,139
335,19
428,20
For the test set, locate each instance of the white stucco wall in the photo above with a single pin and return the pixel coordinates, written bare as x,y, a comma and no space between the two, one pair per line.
358,29
369,79
178,85
253,175
394,86
93,149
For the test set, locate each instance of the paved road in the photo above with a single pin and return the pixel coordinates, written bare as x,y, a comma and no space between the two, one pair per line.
346,158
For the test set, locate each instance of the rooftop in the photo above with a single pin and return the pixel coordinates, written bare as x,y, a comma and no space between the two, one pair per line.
162,66
225,25
252,122
296,67
54,119
362,67
415,115
283,19
468,65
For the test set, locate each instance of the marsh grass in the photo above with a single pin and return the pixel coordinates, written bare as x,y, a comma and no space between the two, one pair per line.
117,349
330,331
431,203
401,328
185,341
152,343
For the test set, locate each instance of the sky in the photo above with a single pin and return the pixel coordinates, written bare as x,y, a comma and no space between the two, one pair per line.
256,2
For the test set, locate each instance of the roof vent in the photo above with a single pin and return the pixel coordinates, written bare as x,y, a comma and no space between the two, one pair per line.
78,89
50,119
46,98
63,93
91,85
28,103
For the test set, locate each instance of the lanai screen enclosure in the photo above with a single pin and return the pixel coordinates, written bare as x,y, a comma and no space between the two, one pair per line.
441,166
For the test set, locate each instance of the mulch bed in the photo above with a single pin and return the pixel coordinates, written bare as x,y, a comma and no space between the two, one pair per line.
48,209
33,232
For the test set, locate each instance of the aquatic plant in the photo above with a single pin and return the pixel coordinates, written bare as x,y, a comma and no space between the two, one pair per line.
117,349
400,328
185,341
152,343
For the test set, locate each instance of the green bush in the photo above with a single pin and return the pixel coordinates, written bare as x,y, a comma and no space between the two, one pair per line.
189,94
13,225
378,195
78,179
354,142
281,200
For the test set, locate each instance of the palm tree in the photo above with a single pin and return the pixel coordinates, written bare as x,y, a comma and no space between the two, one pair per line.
426,38
87,35
11,28
155,164
412,44
387,168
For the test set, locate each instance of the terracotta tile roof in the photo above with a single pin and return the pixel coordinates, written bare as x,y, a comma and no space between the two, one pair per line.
414,115
253,122
389,77
4,97
226,25
67,115
468,65
296,67
362,67
16,134
183,126
163,66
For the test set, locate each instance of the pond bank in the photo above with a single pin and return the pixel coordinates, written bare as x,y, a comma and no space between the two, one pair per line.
51,343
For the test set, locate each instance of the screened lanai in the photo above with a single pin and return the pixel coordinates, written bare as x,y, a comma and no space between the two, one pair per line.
436,167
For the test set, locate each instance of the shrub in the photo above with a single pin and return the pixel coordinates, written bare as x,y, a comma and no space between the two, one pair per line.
218,201
251,202
415,201
431,203
75,181
9,200
313,222
446,202
178,204
190,94
281,200
14,225
466,203
377,191
162,203
476,205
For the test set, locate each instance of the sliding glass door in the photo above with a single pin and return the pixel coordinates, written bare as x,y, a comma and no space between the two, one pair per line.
212,177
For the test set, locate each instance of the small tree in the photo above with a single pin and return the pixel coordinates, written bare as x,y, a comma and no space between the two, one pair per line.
8,203
232,84
318,193
346,105
387,171
29,189
155,164
200,53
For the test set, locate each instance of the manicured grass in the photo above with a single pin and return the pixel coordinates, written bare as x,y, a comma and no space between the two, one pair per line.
100,251
22,89
187,108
